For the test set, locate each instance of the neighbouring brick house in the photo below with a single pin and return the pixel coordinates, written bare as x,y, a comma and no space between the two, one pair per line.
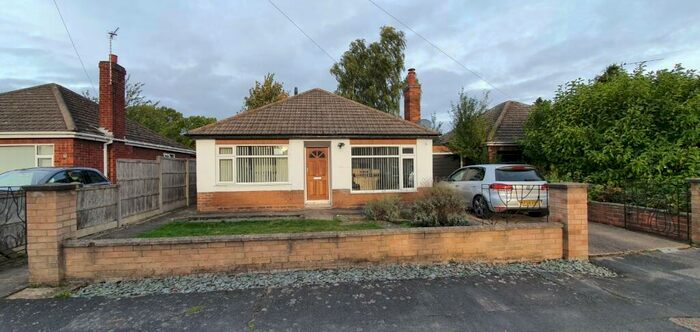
50,125
315,149
506,127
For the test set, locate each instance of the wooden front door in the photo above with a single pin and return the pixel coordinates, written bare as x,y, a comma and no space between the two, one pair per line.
316,174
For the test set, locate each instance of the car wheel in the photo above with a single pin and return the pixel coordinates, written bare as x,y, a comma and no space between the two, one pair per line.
481,207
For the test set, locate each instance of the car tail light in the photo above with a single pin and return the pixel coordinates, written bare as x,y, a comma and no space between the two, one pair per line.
544,187
501,186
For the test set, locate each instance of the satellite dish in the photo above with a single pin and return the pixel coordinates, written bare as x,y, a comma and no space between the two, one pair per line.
425,123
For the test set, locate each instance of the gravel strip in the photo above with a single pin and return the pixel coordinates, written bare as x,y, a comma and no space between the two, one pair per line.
214,282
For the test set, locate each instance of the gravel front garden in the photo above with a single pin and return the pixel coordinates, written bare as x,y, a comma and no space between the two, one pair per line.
210,282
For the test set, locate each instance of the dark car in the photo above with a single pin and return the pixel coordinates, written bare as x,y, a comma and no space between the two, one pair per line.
15,179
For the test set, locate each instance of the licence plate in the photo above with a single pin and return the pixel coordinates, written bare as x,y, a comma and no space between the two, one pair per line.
529,203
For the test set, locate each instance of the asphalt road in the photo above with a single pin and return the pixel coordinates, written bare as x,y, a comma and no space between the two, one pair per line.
653,288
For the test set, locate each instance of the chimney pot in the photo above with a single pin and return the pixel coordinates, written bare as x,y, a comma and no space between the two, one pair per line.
411,97
113,58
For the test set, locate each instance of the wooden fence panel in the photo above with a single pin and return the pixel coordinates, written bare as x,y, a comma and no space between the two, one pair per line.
139,182
173,183
97,206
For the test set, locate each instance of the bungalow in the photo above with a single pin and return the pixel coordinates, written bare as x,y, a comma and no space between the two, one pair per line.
314,149
50,125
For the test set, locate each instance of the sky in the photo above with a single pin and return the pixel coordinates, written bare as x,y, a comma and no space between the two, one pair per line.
201,57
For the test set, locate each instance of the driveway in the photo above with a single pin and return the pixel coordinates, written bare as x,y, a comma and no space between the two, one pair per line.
610,240
13,276
655,290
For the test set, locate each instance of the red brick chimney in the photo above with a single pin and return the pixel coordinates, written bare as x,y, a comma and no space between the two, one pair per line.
411,97
113,97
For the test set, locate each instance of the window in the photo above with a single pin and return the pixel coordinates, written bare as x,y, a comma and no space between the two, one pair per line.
458,175
474,174
517,173
253,164
382,168
25,156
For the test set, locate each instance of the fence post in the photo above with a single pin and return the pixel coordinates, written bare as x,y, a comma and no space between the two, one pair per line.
51,218
159,160
694,211
187,182
568,204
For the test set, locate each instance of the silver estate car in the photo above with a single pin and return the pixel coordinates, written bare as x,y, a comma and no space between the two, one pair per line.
493,188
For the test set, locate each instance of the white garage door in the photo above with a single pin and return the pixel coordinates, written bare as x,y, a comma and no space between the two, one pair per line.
23,156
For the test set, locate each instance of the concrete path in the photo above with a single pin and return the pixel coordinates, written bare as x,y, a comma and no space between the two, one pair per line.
655,292
611,240
13,277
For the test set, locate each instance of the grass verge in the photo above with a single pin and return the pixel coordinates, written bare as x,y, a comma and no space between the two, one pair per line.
183,228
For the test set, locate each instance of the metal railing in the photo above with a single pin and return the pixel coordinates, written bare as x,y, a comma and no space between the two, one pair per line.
13,220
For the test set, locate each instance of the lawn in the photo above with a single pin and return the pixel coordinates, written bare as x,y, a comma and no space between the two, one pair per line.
184,228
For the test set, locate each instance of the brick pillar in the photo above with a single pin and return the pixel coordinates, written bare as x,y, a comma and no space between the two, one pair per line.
568,204
492,153
695,210
51,218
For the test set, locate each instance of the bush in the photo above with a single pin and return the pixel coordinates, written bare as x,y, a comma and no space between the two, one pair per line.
386,209
441,205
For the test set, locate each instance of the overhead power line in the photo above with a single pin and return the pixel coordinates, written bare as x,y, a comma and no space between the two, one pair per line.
302,31
438,48
75,48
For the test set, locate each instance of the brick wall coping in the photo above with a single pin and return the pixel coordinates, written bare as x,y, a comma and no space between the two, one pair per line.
565,185
694,180
607,203
52,187
74,243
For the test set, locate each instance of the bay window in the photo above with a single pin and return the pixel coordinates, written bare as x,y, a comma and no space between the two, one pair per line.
382,168
252,164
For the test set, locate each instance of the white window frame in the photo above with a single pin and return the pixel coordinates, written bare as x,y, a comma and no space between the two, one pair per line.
233,156
37,156
401,156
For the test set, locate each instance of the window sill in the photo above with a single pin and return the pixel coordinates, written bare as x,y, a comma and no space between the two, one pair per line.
248,184
395,191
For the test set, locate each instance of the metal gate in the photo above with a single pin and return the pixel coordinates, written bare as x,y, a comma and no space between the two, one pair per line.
13,220
661,209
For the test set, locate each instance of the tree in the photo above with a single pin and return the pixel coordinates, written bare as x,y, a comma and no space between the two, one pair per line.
626,127
134,96
468,137
163,120
269,91
435,125
371,73
167,121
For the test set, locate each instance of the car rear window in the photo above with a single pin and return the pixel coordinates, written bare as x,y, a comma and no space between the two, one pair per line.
517,173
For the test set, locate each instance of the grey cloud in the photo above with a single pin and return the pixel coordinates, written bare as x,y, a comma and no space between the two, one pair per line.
202,57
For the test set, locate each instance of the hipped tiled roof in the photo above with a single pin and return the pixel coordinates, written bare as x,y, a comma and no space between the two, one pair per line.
314,113
51,107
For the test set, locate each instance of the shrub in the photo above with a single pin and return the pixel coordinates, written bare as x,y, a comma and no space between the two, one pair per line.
386,209
441,205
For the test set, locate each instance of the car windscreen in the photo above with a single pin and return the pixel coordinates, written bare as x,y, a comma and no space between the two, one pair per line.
24,177
516,173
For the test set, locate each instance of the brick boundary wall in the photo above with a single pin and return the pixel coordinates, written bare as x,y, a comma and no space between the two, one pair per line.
614,214
95,260
55,255
606,213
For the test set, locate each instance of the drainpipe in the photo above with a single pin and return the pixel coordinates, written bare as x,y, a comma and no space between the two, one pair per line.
105,157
